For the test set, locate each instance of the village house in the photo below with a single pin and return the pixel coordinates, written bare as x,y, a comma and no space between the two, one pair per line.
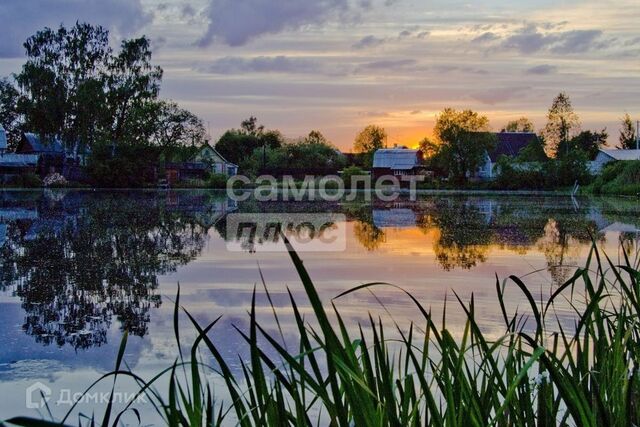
398,162
507,144
610,155
206,161
14,164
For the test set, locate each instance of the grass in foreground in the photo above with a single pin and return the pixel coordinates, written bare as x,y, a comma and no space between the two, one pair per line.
585,376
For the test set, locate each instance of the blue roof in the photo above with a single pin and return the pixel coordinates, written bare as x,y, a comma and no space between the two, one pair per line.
53,146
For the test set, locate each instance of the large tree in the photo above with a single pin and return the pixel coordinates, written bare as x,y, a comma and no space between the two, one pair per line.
522,124
10,118
627,133
368,140
589,142
237,145
562,124
463,140
177,127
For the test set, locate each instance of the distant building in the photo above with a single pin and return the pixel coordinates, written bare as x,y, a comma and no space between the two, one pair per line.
397,161
610,155
507,144
217,164
205,162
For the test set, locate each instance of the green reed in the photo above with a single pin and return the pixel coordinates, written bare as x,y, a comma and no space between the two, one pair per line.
586,375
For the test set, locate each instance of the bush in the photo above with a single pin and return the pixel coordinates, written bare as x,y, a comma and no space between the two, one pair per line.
31,180
349,173
55,180
217,180
618,178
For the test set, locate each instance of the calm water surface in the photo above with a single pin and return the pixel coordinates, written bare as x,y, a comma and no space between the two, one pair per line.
77,268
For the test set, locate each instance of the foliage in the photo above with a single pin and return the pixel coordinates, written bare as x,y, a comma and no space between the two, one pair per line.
368,140
54,180
586,141
217,180
522,124
627,137
10,118
621,178
351,172
122,166
534,151
516,176
75,86
312,152
237,145
463,140
538,370
177,127
562,123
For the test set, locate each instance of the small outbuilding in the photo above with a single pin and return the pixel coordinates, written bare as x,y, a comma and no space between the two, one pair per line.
397,161
610,155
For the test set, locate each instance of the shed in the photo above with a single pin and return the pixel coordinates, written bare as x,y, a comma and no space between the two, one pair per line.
609,155
396,161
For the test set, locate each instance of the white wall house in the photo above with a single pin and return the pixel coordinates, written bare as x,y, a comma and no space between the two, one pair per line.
507,144
610,155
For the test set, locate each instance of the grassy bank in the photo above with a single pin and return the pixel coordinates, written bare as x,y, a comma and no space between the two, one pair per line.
538,372
618,178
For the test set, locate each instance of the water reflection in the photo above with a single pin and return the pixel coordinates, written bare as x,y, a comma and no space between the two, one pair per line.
80,261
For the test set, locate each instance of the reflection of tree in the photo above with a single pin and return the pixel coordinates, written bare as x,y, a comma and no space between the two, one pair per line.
75,271
464,234
369,236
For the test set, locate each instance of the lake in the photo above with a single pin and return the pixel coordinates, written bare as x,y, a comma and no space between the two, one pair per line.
77,268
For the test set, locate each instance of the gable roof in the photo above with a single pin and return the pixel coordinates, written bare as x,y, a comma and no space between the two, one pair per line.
3,139
622,154
395,158
52,146
511,143
207,145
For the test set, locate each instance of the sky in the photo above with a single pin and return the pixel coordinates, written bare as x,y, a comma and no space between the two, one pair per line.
339,65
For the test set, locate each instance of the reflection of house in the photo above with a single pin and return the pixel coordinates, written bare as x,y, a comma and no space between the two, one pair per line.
507,144
217,164
397,218
397,161
607,156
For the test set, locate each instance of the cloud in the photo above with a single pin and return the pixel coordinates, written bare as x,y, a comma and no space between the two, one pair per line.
23,18
578,41
368,42
542,69
529,39
388,64
498,95
264,64
236,22
486,37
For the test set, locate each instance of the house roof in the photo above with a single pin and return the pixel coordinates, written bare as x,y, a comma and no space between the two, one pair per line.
622,154
395,158
510,144
3,139
53,146
18,160
207,145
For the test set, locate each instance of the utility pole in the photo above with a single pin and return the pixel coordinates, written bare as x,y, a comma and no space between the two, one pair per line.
637,134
